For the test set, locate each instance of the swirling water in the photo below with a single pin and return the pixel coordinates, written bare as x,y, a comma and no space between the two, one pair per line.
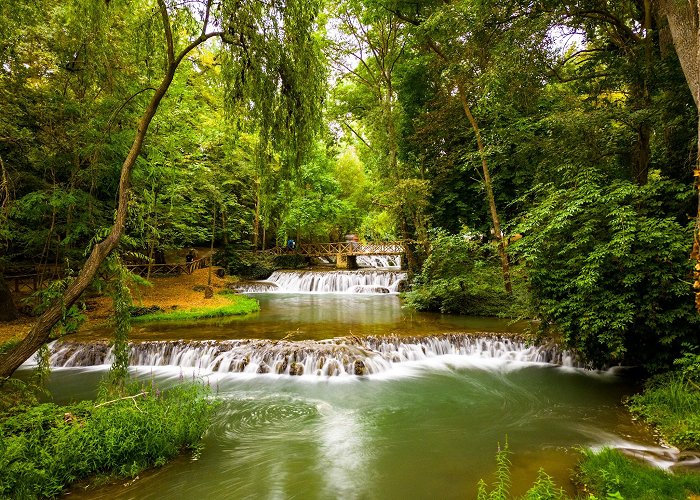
423,419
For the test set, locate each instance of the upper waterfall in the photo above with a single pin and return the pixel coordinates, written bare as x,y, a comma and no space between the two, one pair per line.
329,281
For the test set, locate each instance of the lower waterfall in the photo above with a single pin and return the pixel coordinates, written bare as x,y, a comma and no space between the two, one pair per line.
327,358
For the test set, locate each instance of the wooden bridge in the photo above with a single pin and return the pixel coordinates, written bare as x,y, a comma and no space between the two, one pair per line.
345,253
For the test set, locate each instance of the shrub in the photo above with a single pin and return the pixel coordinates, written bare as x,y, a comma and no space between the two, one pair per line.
463,276
671,403
609,270
47,447
246,264
290,261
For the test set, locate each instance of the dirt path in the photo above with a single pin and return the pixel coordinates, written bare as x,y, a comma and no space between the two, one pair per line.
169,293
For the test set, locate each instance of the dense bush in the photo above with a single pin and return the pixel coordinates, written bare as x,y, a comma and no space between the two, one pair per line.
671,403
290,261
258,266
47,447
245,263
463,276
609,269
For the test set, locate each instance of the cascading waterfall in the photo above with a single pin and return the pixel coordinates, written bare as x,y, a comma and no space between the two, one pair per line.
326,358
379,261
360,281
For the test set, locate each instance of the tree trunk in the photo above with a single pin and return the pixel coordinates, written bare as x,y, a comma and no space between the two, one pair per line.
256,220
40,333
684,23
505,264
7,306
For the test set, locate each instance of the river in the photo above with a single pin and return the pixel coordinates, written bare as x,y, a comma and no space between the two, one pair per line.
421,418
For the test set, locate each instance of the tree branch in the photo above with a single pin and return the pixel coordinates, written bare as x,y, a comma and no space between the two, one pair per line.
168,31
358,135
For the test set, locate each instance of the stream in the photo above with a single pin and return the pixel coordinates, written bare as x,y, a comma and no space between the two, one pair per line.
345,394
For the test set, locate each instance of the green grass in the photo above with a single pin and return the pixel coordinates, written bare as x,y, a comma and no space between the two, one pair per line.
671,403
240,304
45,448
609,474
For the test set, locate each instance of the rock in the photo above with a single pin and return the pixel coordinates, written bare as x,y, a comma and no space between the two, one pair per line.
221,272
199,288
142,311
402,286
263,368
296,369
208,292
359,367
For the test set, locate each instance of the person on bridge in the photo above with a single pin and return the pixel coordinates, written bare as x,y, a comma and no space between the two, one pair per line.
291,244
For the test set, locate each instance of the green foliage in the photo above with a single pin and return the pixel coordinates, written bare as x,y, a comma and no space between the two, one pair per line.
244,263
121,300
608,270
16,396
47,447
608,474
542,489
671,403
292,261
463,276
240,304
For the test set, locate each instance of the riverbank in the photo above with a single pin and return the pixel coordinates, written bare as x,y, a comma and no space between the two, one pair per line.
171,293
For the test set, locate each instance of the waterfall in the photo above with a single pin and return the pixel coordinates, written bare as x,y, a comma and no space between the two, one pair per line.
379,261
325,358
360,281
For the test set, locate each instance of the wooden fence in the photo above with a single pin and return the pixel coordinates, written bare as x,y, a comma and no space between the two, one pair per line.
169,269
31,279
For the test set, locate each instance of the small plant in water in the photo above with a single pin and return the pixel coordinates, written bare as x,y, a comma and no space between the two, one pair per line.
542,489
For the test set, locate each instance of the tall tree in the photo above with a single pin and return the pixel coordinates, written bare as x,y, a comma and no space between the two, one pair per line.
368,54
684,22
271,46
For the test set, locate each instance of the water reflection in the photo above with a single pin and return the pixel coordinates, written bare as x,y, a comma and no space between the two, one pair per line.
317,316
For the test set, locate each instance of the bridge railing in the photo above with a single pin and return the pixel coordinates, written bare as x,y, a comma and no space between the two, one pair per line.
345,248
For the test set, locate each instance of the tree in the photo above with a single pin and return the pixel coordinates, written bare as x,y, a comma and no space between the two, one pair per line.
473,44
684,22
273,58
7,306
368,54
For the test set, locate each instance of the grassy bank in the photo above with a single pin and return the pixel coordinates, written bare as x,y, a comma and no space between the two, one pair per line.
671,403
610,474
45,448
239,305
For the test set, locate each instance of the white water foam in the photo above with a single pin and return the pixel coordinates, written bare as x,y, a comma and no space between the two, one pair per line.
360,281
379,261
344,357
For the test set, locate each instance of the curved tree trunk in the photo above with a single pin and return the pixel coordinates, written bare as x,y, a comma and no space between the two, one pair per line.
41,331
